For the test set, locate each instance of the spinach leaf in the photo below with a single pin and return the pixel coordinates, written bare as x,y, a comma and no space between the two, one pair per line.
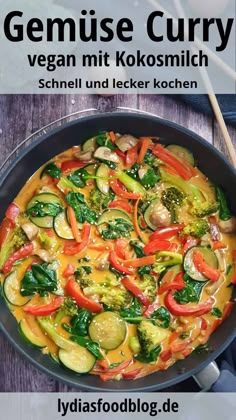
79,177
138,249
111,165
79,323
117,273
229,268
144,270
52,170
224,211
216,312
191,292
118,228
149,158
163,315
133,171
104,140
202,348
89,345
38,280
152,357
82,211
132,314
41,209
150,179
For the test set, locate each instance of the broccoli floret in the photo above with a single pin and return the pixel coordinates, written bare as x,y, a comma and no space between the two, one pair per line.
96,199
204,209
148,285
166,259
196,228
69,307
150,337
172,198
113,297
49,243
84,281
15,240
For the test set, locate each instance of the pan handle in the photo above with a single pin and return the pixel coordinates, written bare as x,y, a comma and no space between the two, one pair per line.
207,376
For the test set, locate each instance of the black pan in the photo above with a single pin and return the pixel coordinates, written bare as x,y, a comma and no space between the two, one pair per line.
210,161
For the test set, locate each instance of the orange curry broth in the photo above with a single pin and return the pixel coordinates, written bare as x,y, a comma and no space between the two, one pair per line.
123,352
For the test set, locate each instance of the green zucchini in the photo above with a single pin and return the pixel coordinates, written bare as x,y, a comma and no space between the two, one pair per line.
47,221
103,184
79,360
208,255
62,227
148,212
91,168
11,290
28,334
108,329
183,154
113,214
89,145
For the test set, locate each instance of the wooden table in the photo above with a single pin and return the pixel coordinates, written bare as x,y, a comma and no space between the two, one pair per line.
21,115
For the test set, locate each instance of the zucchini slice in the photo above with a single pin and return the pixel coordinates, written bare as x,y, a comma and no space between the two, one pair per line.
183,154
102,184
11,290
62,227
79,360
148,212
29,335
113,214
208,255
47,221
89,145
108,329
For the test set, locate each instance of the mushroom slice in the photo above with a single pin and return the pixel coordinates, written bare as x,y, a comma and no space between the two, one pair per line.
84,156
30,230
126,142
44,255
228,226
106,154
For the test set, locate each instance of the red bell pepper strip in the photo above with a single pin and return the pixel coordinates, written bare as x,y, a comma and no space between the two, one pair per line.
121,204
120,154
218,245
227,309
12,212
103,363
167,157
168,283
45,310
72,289
158,245
23,252
119,189
69,270
140,262
122,248
205,269
204,324
131,156
120,367
167,232
131,287
145,143
118,264
73,247
7,226
132,374
72,164
165,355
192,310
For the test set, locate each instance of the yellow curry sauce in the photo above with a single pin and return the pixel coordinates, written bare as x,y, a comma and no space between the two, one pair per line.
175,339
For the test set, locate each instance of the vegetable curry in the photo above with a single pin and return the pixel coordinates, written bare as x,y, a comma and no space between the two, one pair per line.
118,257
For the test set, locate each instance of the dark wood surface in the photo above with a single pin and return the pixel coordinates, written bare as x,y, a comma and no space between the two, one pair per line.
20,116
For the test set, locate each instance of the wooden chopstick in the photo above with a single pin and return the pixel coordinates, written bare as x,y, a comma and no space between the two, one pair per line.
220,119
